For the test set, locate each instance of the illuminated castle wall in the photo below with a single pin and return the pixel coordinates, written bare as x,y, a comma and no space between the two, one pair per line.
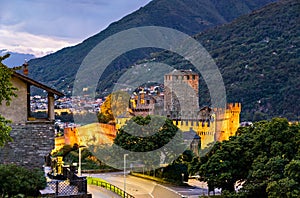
95,133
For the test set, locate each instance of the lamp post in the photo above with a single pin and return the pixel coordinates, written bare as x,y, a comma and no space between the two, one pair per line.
79,161
125,155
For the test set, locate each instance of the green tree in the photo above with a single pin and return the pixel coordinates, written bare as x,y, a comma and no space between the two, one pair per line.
144,134
7,91
194,166
289,186
174,171
276,145
263,157
15,180
227,163
180,166
114,105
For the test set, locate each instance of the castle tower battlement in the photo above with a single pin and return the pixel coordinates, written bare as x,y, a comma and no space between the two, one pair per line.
234,107
181,91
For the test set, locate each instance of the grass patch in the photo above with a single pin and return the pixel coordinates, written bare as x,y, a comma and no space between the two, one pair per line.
104,184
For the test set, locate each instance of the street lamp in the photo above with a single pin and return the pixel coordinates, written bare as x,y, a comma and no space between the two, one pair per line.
79,163
125,155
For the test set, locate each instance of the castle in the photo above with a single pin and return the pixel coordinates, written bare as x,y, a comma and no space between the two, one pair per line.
180,102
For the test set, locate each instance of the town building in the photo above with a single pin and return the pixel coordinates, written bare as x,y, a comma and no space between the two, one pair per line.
33,138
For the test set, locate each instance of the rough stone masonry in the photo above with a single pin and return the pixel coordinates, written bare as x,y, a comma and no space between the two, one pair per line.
31,143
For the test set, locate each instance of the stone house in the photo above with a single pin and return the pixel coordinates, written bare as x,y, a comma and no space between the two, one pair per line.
33,138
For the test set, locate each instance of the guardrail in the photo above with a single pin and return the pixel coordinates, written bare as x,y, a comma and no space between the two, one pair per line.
110,187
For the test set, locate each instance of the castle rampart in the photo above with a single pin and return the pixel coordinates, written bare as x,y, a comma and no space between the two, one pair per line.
95,133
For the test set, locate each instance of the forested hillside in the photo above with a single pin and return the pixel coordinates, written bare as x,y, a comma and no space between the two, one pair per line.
257,54
259,58
189,16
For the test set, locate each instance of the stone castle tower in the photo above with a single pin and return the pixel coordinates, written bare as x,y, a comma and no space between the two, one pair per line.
181,104
181,93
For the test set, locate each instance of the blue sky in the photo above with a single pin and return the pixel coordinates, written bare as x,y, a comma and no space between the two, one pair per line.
40,27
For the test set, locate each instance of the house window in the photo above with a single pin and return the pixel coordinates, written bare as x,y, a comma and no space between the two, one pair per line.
38,104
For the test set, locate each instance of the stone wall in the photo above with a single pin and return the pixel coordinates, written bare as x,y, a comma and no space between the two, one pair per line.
31,143
90,134
17,110
97,134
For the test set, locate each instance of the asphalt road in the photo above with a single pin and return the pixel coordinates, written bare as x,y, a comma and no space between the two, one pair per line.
135,186
142,188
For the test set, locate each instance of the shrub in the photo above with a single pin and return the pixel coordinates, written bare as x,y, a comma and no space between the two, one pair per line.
15,180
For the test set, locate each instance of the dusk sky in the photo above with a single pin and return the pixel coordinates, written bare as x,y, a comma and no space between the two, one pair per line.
40,27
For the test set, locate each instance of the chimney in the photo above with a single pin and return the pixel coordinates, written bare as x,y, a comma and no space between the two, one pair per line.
25,68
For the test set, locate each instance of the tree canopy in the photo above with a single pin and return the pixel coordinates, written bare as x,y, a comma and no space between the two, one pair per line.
7,91
114,105
17,180
151,140
263,158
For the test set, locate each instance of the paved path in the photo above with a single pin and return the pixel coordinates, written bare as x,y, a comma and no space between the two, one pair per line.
99,192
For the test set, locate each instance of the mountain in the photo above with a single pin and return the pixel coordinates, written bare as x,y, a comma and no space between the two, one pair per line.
15,59
259,58
189,16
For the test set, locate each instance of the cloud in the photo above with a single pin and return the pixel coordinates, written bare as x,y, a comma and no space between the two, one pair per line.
65,19
45,26
27,43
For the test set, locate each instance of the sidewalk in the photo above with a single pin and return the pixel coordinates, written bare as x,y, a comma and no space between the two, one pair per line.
100,192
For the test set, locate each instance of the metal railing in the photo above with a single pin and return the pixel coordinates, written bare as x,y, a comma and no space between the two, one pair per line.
112,188
67,187
68,184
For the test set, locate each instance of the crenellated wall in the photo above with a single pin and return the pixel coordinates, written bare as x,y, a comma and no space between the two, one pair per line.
95,133
219,126
205,130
